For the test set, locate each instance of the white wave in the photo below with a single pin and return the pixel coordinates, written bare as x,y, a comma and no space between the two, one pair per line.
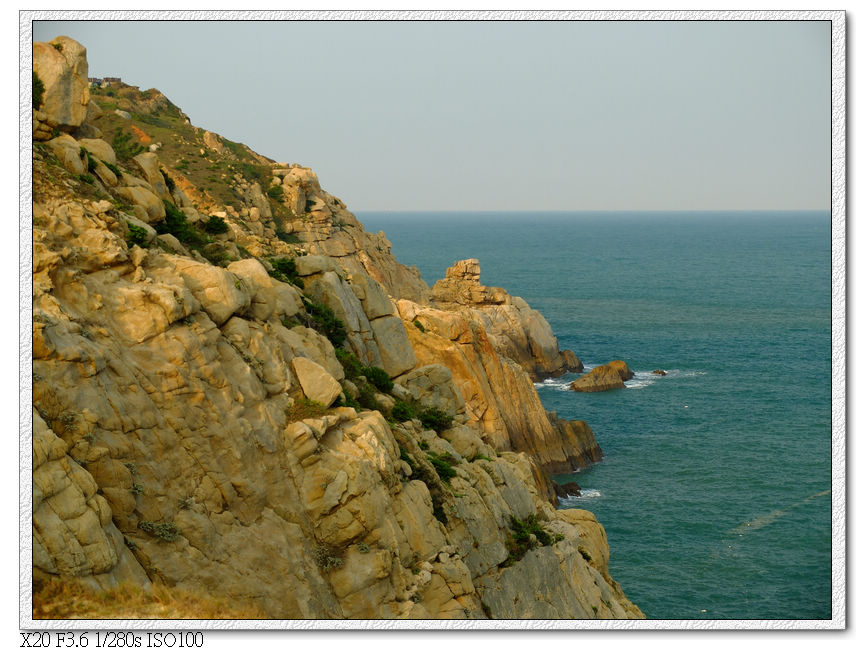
555,383
586,493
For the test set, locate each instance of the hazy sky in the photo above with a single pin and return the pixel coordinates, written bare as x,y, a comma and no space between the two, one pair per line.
504,115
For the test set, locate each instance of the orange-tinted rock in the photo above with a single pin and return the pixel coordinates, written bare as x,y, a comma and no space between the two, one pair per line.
606,377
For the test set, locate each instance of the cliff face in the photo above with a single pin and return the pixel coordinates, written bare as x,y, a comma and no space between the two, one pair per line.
231,394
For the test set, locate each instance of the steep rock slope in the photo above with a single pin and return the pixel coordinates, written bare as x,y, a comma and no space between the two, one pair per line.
227,398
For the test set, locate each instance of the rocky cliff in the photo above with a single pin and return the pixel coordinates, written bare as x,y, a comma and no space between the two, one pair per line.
237,390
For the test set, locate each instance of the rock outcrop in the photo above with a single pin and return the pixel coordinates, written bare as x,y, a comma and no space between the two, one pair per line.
231,397
515,330
607,377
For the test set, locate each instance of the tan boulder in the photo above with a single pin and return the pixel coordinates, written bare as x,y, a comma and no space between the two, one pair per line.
263,300
152,207
396,352
607,377
433,386
62,66
100,149
68,152
148,163
315,381
212,141
219,291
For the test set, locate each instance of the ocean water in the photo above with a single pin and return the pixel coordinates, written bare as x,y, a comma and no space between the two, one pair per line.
715,484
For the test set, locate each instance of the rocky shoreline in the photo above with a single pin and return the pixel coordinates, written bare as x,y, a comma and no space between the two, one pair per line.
239,391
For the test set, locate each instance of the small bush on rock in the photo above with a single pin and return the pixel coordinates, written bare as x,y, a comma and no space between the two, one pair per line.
379,378
167,532
436,419
216,225
38,91
136,236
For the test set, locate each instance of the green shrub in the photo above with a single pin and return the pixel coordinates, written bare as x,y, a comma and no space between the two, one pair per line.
38,91
86,178
114,169
137,236
326,322
403,411
520,541
287,237
419,325
124,146
443,465
353,368
285,270
275,192
379,378
366,396
404,455
215,225
436,419
182,165
169,182
175,224
91,161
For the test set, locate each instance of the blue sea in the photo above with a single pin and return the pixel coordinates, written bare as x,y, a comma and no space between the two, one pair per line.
715,484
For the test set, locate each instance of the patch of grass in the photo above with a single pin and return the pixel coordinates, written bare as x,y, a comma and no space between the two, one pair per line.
585,553
86,178
275,192
419,325
304,408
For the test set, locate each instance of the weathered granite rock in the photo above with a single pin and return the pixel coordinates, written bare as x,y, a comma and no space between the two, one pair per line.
62,66
100,149
68,152
316,383
607,377
516,331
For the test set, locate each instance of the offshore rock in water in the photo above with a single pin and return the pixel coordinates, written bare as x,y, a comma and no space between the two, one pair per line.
607,377
569,489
